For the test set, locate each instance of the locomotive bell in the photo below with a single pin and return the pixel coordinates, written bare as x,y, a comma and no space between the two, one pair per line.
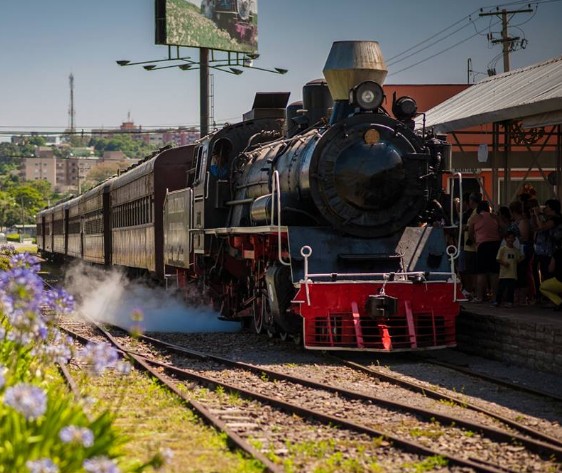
351,63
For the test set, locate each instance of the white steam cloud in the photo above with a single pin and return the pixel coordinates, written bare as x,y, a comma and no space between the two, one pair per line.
108,296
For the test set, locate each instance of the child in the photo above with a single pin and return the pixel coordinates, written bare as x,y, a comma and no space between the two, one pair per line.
508,257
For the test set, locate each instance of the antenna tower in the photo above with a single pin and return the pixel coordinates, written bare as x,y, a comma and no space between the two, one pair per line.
71,112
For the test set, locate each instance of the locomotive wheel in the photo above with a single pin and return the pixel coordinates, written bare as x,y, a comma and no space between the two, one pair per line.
297,338
259,309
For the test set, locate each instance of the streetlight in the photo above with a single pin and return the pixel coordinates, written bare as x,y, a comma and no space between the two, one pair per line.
22,221
230,65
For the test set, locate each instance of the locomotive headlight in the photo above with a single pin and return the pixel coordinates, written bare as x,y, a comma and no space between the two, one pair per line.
404,108
371,136
368,95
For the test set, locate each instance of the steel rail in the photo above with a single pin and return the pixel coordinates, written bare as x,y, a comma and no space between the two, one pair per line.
492,379
539,443
434,394
406,445
195,406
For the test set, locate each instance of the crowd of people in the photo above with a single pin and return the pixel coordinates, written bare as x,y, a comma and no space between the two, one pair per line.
511,255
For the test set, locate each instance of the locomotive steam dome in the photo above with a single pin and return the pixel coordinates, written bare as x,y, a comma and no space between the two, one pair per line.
352,62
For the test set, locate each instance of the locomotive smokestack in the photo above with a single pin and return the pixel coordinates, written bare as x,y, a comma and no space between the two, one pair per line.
352,62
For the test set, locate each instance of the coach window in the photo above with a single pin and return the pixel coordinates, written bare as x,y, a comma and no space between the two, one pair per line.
147,210
200,163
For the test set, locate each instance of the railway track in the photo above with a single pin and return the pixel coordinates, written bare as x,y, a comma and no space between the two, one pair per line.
350,410
440,395
486,377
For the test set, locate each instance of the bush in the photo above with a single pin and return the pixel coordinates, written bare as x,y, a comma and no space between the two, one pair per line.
44,427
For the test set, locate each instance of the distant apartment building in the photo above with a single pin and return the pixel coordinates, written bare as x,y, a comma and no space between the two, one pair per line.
159,137
62,173
67,174
42,166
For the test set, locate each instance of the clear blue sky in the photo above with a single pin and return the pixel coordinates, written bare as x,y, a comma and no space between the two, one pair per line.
42,42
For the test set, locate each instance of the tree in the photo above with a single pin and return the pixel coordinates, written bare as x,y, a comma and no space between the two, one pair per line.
8,213
29,200
132,148
102,171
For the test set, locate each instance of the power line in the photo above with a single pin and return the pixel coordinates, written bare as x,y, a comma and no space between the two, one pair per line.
436,54
409,51
391,62
394,59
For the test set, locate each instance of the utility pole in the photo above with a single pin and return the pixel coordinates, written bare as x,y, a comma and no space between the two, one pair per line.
203,91
71,108
506,40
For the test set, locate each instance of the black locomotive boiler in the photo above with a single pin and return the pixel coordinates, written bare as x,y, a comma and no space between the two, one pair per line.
316,223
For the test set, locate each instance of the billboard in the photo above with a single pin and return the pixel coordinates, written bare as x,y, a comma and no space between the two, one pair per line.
227,25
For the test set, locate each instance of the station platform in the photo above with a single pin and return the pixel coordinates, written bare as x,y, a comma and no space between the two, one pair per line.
529,336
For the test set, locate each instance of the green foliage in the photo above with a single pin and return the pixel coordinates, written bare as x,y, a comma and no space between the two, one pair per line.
22,439
41,421
23,200
195,27
428,464
132,148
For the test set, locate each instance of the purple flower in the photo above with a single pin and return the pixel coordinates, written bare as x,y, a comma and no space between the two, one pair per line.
100,465
123,367
44,465
7,250
162,458
20,290
58,351
26,327
25,260
80,435
59,300
27,399
98,356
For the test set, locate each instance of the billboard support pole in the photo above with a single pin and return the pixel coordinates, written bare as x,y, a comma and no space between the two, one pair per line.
204,91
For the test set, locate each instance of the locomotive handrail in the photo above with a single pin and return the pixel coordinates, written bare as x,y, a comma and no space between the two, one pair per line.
191,226
454,254
398,276
276,197
207,185
458,175
306,251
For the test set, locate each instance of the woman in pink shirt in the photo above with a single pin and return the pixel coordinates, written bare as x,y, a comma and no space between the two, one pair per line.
484,229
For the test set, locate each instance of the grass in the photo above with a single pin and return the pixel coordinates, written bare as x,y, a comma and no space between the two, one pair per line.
153,419
428,464
30,248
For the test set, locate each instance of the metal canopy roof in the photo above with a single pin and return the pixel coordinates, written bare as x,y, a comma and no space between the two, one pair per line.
532,94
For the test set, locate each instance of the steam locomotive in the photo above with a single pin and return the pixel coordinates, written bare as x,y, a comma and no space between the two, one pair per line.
320,227
237,17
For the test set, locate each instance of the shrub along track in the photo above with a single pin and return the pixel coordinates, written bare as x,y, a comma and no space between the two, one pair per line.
433,433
